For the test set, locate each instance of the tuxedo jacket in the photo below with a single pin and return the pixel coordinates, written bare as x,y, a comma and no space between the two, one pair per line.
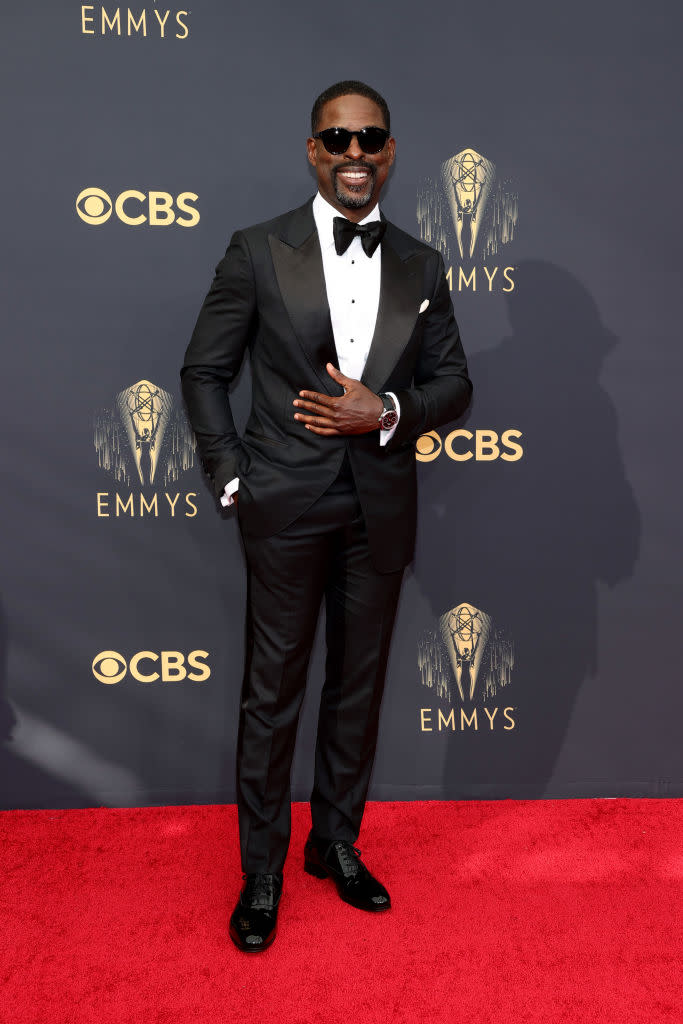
268,296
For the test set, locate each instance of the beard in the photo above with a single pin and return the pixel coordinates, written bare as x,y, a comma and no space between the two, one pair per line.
355,197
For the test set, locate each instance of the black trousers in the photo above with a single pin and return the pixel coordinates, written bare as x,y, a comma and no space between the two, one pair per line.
323,554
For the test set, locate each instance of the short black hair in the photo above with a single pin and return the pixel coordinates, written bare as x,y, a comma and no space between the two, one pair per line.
348,88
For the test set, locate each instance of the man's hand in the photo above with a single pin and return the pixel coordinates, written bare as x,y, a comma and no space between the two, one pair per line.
355,412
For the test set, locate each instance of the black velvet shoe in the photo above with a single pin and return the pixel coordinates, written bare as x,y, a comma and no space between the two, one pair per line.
341,860
253,923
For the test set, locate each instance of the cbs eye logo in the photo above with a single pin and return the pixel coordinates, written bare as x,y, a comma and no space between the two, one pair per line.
462,445
148,667
158,209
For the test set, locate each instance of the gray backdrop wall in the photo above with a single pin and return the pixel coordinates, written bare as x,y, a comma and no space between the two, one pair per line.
537,645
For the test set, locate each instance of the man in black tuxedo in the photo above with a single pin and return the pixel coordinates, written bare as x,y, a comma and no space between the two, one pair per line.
354,352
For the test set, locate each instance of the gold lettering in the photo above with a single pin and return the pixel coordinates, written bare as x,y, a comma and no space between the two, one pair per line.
449,278
110,24
508,279
162,23
182,25
102,503
490,276
133,667
183,204
509,718
172,666
472,279
197,659
130,193
87,18
148,507
491,716
516,450
161,208
136,25
464,718
446,721
425,716
486,446
172,502
188,501
450,450
125,506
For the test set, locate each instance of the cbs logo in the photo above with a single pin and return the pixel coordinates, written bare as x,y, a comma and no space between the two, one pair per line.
148,667
158,209
462,445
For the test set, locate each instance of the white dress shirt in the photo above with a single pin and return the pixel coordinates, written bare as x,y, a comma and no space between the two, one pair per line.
352,283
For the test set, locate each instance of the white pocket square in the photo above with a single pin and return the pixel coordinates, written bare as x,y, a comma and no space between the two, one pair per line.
424,305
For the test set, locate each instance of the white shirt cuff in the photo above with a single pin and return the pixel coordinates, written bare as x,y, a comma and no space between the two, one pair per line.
228,491
386,435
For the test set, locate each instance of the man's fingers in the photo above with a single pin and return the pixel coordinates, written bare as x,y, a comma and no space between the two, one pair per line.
321,421
311,406
325,431
313,396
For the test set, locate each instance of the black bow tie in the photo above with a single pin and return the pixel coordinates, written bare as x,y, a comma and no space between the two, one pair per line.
370,234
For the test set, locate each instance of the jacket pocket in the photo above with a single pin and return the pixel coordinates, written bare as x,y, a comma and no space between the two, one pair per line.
264,438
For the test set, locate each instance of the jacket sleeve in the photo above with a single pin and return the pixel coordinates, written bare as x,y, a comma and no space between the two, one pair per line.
441,389
224,327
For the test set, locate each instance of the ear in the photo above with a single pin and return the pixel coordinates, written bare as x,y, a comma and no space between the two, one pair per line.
312,151
391,149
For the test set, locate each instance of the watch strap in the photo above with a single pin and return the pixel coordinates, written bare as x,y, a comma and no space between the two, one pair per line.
389,416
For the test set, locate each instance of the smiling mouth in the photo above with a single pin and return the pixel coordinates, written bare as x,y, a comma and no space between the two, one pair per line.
354,177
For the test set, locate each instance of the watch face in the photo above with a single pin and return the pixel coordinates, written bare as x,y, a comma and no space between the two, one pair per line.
389,419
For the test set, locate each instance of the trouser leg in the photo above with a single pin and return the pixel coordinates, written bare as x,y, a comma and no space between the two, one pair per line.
286,576
284,591
360,607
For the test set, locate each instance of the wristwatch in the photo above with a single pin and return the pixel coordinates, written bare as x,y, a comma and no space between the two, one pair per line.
389,417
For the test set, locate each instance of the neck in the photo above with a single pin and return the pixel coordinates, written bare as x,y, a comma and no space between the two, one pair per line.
354,215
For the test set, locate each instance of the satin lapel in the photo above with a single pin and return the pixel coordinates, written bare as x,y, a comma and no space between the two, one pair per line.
300,277
399,305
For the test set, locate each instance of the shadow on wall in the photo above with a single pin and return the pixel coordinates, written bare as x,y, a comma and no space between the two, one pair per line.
24,782
528,542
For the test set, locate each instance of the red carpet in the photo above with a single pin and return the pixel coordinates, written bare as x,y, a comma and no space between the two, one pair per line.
538,911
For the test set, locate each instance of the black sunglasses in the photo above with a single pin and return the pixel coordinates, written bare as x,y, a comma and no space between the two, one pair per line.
338,140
